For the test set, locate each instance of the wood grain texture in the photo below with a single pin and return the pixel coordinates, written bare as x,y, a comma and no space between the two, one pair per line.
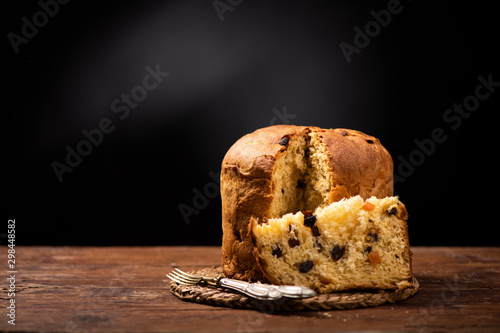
124,289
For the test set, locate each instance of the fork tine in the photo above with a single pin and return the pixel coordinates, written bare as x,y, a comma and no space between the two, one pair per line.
186,274
192,278
185,279
175,279
172,278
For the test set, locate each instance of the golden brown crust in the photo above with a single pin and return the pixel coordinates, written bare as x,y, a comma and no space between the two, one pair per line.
246,192
361,165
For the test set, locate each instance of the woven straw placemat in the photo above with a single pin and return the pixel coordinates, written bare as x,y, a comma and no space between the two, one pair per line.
339,300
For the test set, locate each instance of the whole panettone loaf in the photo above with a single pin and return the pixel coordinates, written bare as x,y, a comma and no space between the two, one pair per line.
288,169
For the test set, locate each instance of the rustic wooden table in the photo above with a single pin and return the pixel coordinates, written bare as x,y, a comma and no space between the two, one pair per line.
124,289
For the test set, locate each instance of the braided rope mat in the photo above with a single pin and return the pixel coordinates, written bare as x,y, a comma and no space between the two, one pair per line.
340,300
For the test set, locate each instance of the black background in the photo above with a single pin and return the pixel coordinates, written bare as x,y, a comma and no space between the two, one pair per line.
226,78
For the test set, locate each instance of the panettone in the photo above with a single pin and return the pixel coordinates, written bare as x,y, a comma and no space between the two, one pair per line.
350,244
286,169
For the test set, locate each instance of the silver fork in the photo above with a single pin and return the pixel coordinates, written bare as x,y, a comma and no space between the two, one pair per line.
256,290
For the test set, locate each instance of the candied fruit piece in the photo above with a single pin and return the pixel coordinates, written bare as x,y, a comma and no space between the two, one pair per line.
374,258
368,206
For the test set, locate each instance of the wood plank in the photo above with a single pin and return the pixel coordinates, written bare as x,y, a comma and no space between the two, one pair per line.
124,289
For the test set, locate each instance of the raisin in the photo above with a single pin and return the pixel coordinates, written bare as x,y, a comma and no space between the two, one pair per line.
318,245
309,219
293,242
369,141
315,230
338,252
306,266
368,249
277,252
392,211
344,133
301,184
284,141
372,237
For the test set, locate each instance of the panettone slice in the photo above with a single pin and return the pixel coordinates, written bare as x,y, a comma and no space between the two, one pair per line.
350,244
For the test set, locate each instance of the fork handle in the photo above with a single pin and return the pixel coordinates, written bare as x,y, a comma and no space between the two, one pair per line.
255,290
